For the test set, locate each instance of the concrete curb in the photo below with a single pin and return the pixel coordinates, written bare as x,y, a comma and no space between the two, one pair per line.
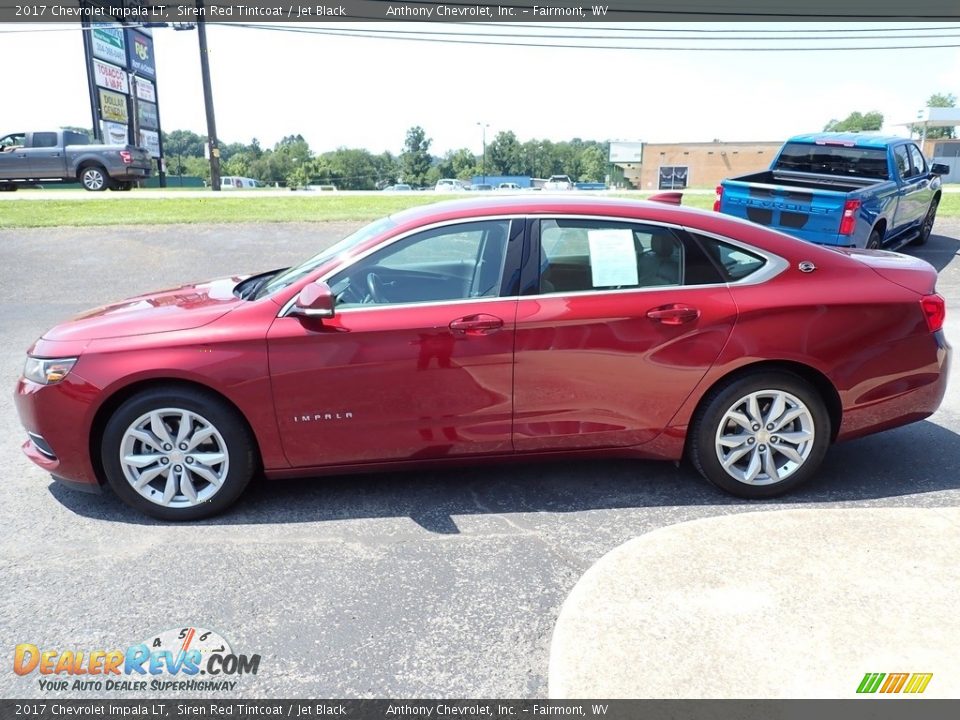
785,604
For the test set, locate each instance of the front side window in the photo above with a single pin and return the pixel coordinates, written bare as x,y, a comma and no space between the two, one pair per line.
579,255
453,262
902,160
919,164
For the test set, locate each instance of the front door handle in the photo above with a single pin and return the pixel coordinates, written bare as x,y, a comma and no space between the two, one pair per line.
673,314
480,324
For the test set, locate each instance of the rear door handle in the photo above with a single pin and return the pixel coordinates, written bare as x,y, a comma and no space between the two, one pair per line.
673,314
480,324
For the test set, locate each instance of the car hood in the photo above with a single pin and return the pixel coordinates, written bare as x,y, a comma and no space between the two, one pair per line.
182,308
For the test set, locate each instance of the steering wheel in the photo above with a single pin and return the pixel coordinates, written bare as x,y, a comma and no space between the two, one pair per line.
375,286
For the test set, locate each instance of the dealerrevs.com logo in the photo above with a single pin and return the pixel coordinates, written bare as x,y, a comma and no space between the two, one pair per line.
182,659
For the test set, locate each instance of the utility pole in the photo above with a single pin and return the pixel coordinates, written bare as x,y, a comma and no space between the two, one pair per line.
208,99
483,161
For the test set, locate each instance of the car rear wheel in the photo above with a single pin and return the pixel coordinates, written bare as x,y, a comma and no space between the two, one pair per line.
94,178
874,242
927,226
761,435
177,453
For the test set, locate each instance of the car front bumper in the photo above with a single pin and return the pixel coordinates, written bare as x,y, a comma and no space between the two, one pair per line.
58,419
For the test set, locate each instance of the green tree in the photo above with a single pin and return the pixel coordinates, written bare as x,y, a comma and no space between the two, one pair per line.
461,164
505,155
857,122
593,164
299,177
348,169
415,159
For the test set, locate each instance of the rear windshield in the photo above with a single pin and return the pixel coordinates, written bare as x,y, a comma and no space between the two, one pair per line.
834,160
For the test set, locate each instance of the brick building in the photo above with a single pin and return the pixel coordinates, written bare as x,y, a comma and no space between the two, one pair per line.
666,166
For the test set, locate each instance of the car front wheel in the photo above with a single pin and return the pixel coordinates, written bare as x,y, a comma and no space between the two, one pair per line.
760,436
177,453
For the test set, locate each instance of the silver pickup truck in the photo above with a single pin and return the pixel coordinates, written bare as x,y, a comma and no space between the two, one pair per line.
33,158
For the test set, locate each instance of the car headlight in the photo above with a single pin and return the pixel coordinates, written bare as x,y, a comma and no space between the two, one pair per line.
47,371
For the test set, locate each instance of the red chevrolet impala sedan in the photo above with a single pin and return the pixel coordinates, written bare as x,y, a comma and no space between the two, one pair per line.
497,328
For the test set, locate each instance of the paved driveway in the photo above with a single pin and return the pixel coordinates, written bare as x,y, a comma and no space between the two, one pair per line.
427,584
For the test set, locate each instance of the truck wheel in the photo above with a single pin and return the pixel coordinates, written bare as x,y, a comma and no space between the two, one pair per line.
124,186
94,178
8,187
874,242
927,226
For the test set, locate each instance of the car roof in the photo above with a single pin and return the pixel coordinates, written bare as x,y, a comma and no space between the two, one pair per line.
869,140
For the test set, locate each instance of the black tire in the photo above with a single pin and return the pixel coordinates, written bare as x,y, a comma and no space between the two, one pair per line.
875,240
703,445
927,228
94,178
8,187
240,451
124,186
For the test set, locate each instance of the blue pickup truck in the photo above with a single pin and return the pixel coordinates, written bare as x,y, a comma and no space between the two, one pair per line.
841,189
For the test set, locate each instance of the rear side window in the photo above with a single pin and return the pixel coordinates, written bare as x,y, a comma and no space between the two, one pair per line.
44,140
834,160
578,255
733,262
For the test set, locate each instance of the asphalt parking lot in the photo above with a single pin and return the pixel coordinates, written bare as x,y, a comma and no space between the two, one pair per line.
429,584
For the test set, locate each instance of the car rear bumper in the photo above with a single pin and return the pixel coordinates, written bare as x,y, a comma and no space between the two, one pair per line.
905,399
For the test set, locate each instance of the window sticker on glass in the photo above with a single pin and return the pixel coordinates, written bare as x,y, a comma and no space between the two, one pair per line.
613,257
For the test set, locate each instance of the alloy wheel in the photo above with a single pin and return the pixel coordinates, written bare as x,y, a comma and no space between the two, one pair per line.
174,457
765,437
93,179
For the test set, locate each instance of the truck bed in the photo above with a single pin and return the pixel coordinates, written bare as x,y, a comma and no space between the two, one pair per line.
807,181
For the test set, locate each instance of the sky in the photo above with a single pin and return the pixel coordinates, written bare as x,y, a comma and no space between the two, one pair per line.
360,92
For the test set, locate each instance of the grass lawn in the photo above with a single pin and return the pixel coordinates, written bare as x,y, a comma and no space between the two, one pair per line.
160,211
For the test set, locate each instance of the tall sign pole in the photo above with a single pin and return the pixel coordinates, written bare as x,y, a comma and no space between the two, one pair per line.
208,99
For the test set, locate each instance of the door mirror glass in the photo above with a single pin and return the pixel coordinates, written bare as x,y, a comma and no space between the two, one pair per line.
940,169
315,301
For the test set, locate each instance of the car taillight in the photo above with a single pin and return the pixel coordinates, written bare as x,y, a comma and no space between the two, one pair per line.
934,311
126,156
718,198
849,220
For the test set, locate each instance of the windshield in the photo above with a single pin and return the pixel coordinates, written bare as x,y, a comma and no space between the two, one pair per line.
298,272
834,160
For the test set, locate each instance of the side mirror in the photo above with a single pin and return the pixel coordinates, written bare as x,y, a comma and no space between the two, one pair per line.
940,169
315,301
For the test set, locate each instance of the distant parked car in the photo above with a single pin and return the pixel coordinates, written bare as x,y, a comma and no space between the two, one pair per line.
399,187
29,158
508,186
481,187
231,182
449,185
559,182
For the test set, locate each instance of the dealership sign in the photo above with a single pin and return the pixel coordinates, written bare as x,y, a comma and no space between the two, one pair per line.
145,90
113,106
141,54
150,140
147,115
110,77
107,43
